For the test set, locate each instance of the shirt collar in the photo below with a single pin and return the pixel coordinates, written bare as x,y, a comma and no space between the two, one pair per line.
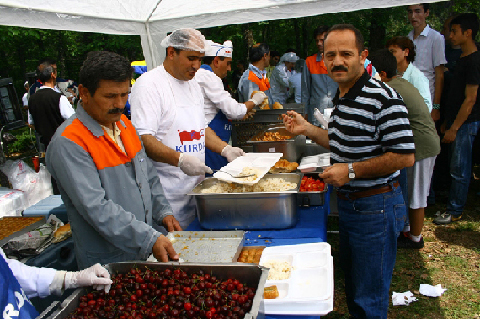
206,67
425,31
92,125
408,71
355,90
318,57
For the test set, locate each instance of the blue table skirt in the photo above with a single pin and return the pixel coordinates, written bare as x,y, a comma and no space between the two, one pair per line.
311,227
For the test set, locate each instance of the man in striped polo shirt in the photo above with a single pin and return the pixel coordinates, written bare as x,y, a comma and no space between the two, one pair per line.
370,139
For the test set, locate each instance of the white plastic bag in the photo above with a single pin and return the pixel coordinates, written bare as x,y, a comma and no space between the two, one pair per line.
36,186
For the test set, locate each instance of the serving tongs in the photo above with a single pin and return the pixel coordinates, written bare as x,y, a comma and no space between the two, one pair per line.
234,176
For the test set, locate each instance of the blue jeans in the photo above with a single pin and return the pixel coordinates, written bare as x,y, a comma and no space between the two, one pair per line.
461,167
368,246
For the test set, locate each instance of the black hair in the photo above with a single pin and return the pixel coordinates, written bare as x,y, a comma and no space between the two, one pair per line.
45,69
290,50
426,6
47,60
209,59
104,65
258,51
358,35
383,60
176,50
320,30
467,21
274,53
403,43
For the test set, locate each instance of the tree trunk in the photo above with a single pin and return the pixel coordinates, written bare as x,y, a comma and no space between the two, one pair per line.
377,29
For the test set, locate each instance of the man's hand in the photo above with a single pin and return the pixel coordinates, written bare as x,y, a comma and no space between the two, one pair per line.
163,248
232,153
295,123
258,98
336,175
192,166
435,115
171,224
449,136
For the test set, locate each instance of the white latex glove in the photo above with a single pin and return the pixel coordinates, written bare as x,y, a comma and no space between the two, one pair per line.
95,276
258,98
232,153
192,166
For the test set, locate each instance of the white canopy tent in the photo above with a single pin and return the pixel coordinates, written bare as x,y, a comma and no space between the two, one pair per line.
152,19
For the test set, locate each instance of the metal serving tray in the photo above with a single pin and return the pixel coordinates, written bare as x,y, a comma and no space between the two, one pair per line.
252,275
254,210
24,230
307,199
274,115
208,246
292,148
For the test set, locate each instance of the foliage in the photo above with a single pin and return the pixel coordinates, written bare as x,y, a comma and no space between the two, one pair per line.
25,141
23,47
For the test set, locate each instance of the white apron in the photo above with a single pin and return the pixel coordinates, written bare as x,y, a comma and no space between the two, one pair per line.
186,135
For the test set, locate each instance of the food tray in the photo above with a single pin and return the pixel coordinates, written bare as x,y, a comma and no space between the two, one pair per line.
252,275
13,226
275,115
309,290
291,149
261,161
313,198
312,163
207,246
254,210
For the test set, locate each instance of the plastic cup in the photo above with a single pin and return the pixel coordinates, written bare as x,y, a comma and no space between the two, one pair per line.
36,163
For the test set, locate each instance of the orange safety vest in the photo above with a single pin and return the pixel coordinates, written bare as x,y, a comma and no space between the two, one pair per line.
263,84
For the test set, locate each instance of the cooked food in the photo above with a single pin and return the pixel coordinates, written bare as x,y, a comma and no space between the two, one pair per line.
250,255
277,106
279,270
264,185
10,225
273,136
283,166
270,292
62,233
249,171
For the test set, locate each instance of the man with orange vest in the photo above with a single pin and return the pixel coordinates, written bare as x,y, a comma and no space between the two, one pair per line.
318,89
255,77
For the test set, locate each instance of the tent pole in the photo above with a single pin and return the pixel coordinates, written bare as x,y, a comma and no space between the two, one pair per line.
149,35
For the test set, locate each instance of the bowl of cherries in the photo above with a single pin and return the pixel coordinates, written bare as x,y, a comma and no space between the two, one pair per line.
158,290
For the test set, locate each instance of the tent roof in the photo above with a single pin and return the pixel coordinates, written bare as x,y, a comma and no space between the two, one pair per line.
152,19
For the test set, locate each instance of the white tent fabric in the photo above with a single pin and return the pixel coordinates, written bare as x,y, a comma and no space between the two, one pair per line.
152,19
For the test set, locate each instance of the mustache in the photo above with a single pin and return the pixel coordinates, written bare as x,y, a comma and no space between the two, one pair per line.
116,110
339,68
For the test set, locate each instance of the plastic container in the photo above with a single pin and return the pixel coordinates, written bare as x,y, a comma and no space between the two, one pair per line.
52,205
316,198
309,289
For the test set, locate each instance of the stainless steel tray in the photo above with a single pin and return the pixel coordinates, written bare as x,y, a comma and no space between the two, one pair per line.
254,210
252,275
208,246
292,148
23,230
274,116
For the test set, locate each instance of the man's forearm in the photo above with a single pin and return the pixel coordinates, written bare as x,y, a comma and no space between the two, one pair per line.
158,151
383,165
213,142
439,78
318,135
467,106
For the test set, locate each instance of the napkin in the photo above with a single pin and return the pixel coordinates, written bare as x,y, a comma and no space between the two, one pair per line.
432,291
403,299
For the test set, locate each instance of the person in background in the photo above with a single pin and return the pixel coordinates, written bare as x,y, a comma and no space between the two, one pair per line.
168,111
220,107
295,81
279,84
370,139
254,78
274,60
462,116
318,89
110,188
403,50
430,48
427,146
25,96
19,282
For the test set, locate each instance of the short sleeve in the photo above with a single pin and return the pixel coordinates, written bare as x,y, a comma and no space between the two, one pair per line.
145,109
473,72
438,51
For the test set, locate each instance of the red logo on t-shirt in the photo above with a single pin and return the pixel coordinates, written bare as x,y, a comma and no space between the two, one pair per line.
190,136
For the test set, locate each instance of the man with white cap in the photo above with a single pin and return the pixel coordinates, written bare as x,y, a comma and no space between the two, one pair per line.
220,107
279,80
167,110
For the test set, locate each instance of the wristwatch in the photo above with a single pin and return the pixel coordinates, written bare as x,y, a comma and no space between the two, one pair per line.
351,172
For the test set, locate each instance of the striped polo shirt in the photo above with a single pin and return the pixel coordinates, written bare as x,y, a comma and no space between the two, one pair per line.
368,121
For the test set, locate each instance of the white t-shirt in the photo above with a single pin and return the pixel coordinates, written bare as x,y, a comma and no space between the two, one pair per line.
216,98
25,99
